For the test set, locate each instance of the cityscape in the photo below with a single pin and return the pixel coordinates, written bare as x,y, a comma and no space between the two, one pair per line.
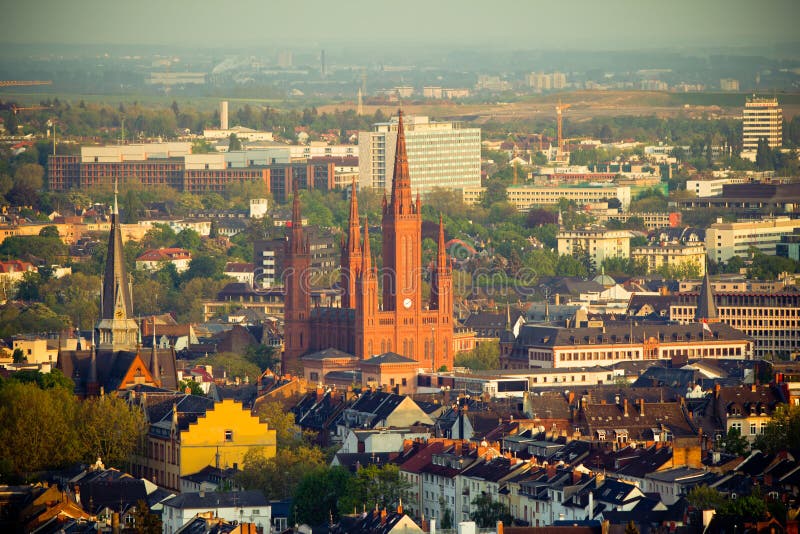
360,268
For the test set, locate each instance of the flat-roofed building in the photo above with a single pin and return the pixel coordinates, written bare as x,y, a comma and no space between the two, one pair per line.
761,119
525,197
675,256
726,240
440,154
599,243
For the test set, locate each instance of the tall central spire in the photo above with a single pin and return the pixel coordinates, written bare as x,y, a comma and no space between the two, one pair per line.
401,178
118,330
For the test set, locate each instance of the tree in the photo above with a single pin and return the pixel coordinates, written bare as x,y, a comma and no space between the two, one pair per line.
236,365
704,498
488,512
735,443
376,484
278,477
18,356
483,357
49,231
110,429
287,433
318,496
144,521
765,160
205,266
29,176
188,239
263,356
193,387
782,432
234,144
570,266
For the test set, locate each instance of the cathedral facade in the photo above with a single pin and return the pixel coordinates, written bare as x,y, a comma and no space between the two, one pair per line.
380,311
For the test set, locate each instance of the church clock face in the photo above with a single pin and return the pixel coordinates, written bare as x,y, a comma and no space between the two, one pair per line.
407,303
119,314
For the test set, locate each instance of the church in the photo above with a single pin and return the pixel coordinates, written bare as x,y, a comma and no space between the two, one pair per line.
380,311
117,361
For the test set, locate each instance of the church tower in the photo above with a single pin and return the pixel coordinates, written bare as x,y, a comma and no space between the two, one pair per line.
117,328
351,255
402,231
297,304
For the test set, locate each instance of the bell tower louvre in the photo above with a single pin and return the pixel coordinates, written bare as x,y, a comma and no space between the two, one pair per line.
401,322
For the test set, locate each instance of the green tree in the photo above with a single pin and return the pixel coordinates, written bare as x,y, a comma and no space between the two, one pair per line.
376,484
188,239
279,477
236,365
782,432
488,512
29,176
201,146
205,266
735,443
144,521
483,357
110,429
570,266
704,498
263,356
18,356
288,434
234,144
193,387
318,496
49,231
765,159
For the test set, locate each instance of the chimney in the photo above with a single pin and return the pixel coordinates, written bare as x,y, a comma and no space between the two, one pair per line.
716,390
432,526
625,406
383,516
753,388
499,527
590,515
115,523
576,476
77,494
641,407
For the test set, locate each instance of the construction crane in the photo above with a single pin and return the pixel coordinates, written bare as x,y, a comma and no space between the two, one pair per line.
22,83
560,109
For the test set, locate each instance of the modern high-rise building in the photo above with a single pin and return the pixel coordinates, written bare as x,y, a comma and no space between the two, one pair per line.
440,154
762,118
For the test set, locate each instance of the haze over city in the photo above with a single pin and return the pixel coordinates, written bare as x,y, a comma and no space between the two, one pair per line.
588,24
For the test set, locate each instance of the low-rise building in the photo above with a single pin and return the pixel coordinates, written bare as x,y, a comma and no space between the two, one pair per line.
241,506
155,259
525,197
726,240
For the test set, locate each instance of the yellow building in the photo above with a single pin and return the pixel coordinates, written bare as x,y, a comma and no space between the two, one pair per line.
673,255
188,432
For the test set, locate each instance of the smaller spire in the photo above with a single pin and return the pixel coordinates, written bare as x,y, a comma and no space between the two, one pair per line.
706,308
366,254
442,252
116,192
297,220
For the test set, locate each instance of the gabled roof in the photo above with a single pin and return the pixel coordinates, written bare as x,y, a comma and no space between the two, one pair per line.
165,254
116,494
327,354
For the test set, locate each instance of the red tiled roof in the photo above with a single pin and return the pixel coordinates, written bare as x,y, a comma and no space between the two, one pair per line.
165,254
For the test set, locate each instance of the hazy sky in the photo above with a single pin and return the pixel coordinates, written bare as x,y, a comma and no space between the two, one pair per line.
570,24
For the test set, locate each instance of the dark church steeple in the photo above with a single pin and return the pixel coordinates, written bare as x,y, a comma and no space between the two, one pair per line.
117,328
706,309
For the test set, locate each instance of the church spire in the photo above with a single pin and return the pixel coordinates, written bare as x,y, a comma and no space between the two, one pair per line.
118,329
706,309
155,368
401,179
354,235
366,253
442,252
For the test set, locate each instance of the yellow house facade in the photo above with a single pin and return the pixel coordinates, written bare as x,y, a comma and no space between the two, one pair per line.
188,433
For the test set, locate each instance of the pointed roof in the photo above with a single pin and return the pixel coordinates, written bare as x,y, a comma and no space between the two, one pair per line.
116,291
354,235
706,309
366,253
401,178
442,251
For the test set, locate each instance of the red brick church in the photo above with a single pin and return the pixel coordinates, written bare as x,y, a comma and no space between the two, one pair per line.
374,318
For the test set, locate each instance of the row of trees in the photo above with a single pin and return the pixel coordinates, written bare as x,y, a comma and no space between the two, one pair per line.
45,426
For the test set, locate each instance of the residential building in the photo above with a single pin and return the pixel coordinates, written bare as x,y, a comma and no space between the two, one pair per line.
155,259
234,506
403,323
726,240
240,271
761,119
678,257
598,243
525,197
440,154
746,408
186,433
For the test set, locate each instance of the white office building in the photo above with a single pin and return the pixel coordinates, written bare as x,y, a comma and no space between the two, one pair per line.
762,118
726,240
440,154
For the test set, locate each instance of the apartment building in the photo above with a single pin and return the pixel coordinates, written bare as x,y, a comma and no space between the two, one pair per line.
599,243
761,119
440,154
676,256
